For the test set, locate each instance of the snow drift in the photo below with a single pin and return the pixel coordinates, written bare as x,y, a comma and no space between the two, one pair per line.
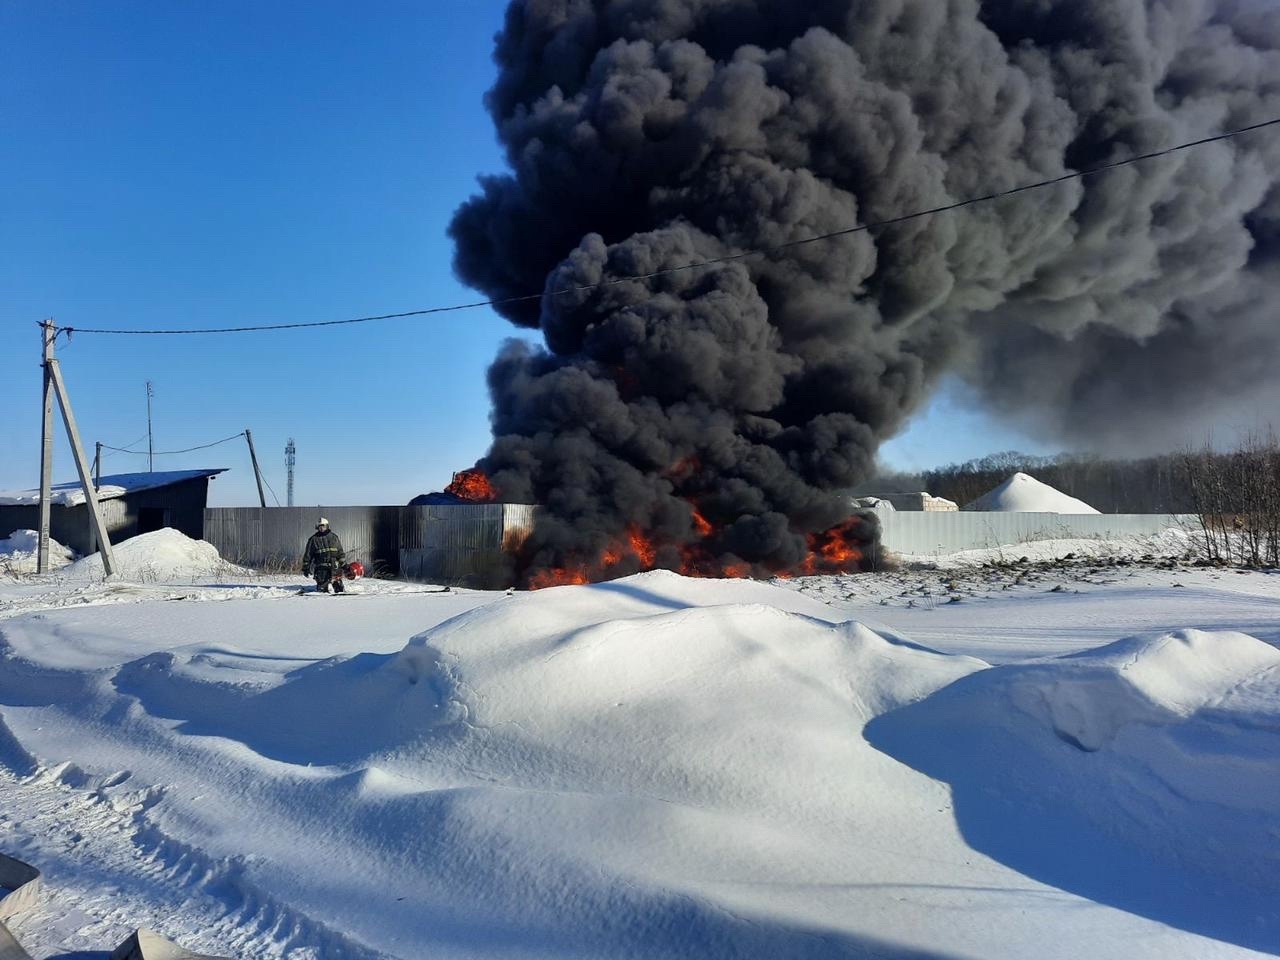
1025,494
1142,774
661,767
18,552
159,556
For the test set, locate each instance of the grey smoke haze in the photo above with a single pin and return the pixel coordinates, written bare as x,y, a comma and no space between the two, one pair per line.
646,134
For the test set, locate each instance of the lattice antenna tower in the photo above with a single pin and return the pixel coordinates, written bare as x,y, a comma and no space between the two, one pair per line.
290,458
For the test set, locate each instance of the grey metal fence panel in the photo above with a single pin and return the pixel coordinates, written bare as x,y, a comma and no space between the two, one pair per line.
273,538
456,543
930,534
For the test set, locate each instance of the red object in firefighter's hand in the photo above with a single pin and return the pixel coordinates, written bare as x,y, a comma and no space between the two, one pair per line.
353,570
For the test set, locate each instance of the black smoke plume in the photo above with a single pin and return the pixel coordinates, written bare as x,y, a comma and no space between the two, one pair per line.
649,134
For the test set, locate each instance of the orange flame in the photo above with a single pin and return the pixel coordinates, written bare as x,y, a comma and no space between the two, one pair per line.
837,550
472,485
559,577
642,547
700,524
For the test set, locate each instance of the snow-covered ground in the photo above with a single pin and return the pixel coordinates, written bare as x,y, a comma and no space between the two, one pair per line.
972,762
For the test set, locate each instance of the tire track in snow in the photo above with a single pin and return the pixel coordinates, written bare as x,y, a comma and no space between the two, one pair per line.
108,869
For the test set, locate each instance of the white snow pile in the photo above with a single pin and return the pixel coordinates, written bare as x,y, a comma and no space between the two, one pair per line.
1022,493
18,553
158,557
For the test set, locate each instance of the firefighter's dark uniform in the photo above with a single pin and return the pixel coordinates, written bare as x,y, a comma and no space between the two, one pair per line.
323,560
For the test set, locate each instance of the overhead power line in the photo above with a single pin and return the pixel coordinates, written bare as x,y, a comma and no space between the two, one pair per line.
169,453
125,448
730,258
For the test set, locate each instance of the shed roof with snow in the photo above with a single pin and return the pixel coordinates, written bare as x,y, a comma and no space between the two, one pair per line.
132,503
115,485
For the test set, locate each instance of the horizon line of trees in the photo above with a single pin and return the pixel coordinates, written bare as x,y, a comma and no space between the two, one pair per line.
1156,484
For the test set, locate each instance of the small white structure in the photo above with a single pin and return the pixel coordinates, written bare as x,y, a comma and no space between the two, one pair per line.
872,503
1025,494
920,503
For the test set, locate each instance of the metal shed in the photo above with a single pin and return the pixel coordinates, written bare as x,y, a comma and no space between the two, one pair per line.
132,503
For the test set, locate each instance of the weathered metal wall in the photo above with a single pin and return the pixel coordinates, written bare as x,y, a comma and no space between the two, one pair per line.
456,543
471,544
931,534
459,543
273,538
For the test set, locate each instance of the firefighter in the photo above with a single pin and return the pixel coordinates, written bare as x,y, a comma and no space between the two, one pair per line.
323,558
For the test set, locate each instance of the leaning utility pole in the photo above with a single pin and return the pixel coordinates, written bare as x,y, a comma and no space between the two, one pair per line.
257,474
54,383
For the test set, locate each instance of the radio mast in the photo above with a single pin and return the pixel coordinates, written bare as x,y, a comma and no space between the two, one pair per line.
290,458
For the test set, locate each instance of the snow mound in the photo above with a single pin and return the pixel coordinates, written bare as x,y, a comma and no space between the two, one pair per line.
158,557
18,552
1134,773
1022,493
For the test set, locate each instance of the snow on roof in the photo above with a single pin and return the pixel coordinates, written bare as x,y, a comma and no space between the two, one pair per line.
1025,494
115,485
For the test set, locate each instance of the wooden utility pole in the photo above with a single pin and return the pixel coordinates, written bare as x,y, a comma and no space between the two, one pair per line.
47,334
257,474
54,386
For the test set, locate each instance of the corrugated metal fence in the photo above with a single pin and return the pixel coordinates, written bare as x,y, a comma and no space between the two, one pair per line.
931,534
273,538
464,543
470,543
461,543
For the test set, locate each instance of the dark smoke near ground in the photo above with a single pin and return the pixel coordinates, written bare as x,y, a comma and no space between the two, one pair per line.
647,134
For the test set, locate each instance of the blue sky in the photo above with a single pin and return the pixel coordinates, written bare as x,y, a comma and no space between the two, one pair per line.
231,163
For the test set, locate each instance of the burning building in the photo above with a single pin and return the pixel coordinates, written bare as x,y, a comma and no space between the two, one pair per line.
707,419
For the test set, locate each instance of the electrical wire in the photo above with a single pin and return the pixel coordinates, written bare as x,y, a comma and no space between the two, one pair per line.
122,449
273,493
730,258
169,453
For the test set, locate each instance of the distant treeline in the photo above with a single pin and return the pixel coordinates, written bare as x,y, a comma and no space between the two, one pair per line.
1150,485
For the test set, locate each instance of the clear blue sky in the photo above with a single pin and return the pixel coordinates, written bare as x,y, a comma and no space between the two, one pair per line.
232,162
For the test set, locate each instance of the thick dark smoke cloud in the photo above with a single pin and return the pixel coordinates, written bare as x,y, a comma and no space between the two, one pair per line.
647,134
